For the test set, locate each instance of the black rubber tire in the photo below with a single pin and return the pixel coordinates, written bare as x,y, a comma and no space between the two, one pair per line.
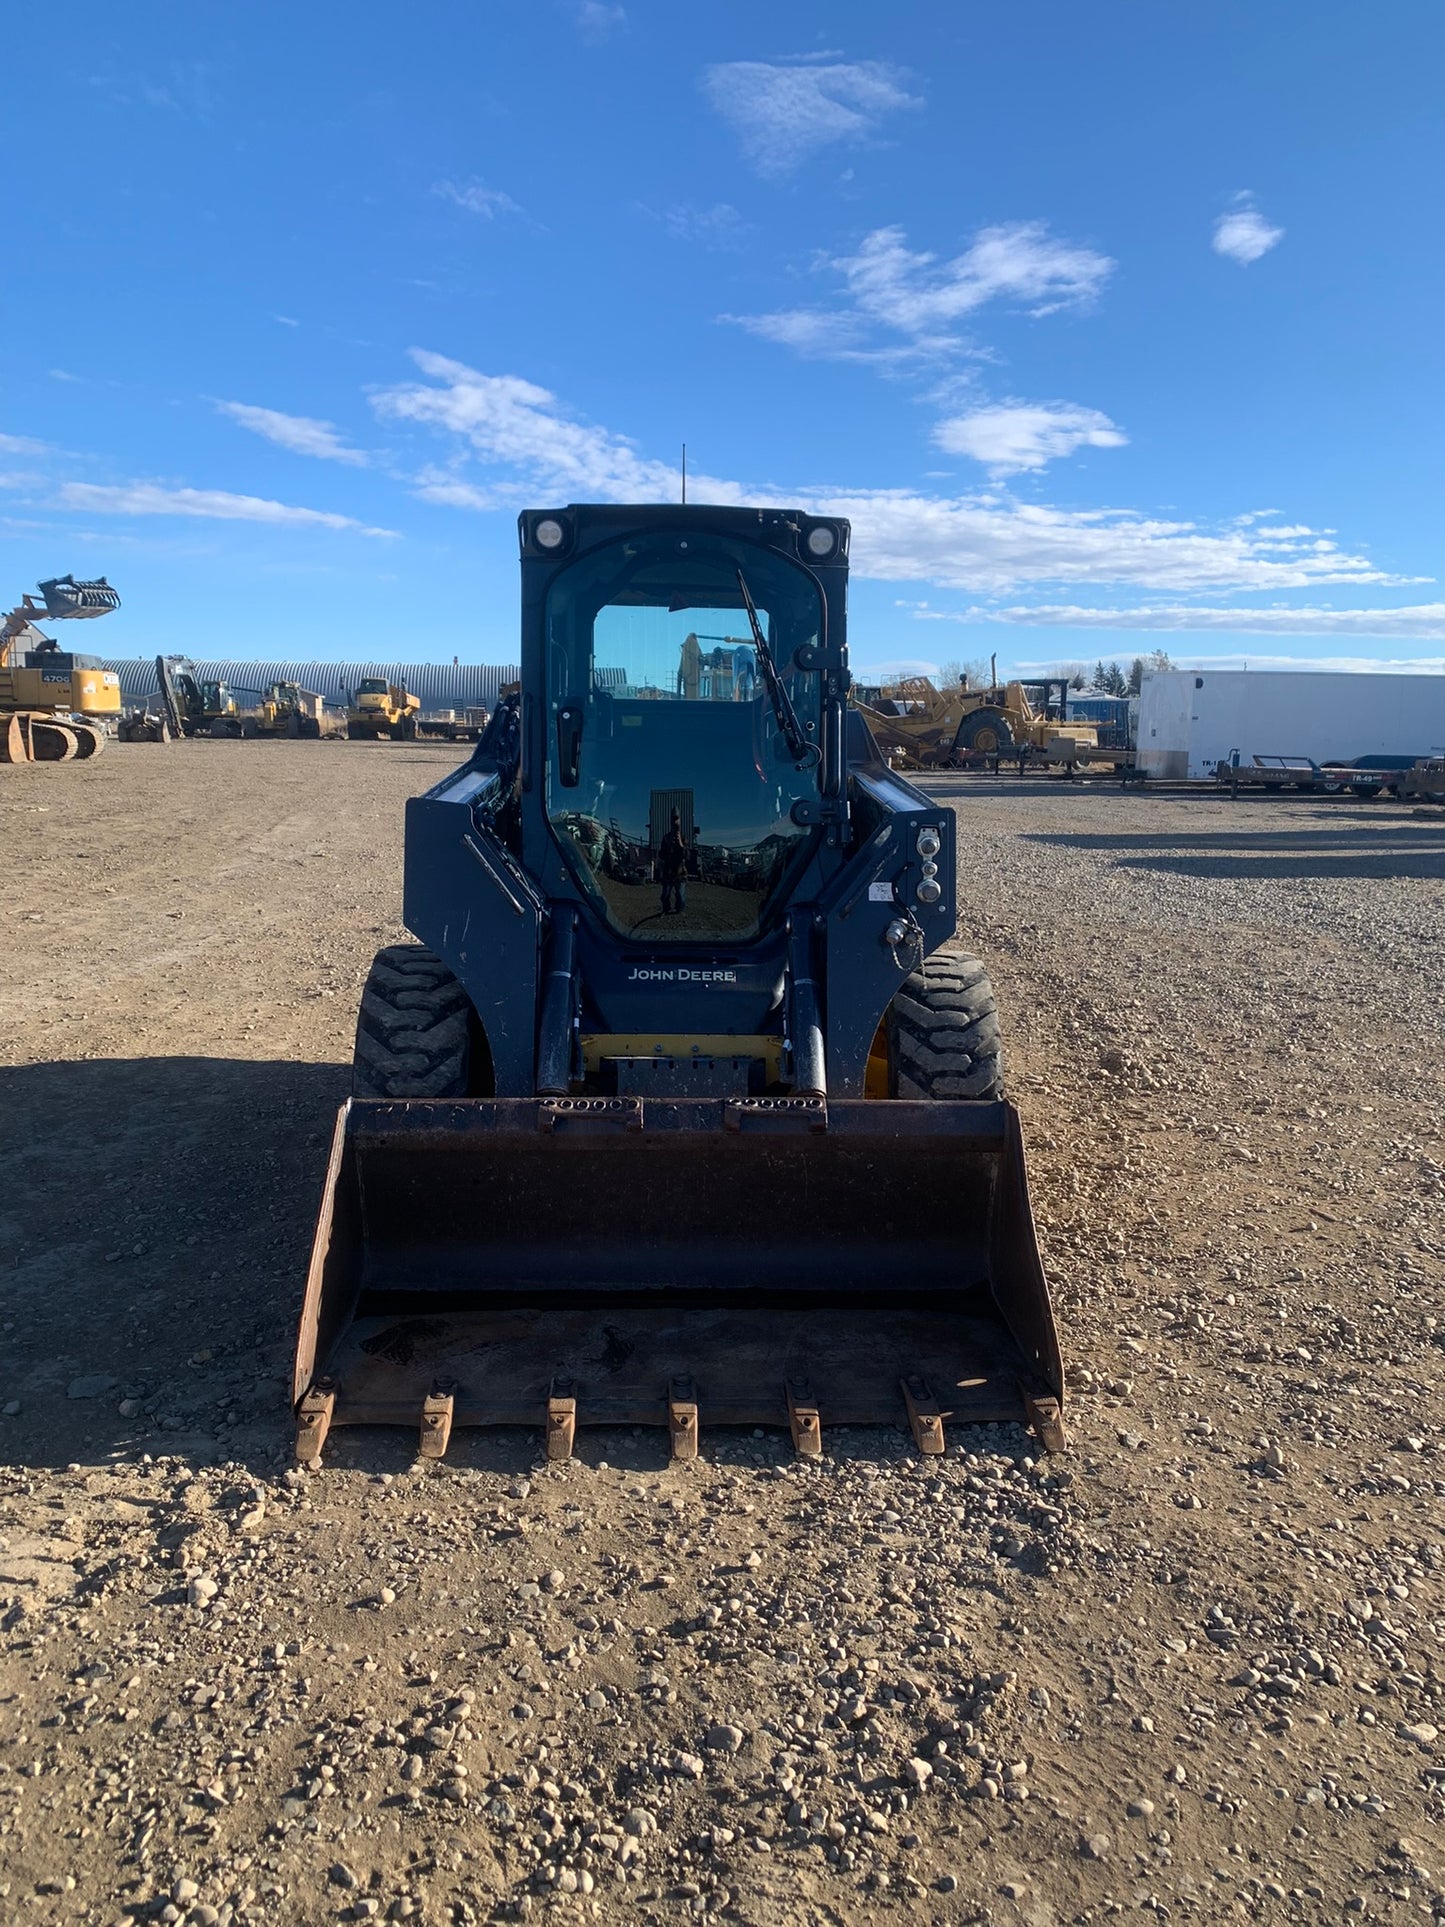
414,1029
943,1031
978,724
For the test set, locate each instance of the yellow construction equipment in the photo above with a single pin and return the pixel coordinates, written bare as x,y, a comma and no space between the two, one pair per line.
923,727
54,704
381,708
281,709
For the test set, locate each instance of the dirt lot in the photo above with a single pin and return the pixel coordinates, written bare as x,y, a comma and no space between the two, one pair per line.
1194,1668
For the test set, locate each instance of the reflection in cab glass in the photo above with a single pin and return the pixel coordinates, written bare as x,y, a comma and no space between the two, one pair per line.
684,728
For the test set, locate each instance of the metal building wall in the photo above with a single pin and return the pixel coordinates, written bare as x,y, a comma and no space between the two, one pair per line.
439,685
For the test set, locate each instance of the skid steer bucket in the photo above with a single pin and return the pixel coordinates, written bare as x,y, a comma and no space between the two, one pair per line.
687,1263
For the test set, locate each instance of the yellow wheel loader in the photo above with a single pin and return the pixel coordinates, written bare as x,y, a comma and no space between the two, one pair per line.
685,1107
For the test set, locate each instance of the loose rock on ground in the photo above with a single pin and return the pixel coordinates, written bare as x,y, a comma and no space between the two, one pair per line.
1189,1669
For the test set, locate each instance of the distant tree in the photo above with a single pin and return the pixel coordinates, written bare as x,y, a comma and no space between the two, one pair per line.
1115,682
1076,681
1159,659
974,672
1101,676
1136,675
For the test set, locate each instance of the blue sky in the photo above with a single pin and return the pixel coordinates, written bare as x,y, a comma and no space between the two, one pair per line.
1112,328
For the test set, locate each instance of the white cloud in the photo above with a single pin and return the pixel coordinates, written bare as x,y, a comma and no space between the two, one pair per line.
1018,261
477,198
449,490
719,227
1420,622
902,292
302,434
512,423
597,20
1243,234
814,332
987,542
783,113
21,445
1013,435
991,542
212,504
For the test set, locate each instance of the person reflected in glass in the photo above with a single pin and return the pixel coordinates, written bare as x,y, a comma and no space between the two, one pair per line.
672,868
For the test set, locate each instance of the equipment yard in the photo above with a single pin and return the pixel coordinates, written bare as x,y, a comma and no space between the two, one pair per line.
1191,1666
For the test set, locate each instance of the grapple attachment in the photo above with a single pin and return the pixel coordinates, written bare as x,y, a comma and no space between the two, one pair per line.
684,1263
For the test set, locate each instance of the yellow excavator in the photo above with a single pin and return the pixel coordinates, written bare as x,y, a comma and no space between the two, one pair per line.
923,727
54,704
381,708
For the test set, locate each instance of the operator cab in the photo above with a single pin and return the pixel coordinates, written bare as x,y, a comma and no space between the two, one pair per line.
683,765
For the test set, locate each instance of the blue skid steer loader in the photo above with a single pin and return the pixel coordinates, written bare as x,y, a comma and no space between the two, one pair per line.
683,1109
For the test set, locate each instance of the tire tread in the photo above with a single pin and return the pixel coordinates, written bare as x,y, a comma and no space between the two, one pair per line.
413,1031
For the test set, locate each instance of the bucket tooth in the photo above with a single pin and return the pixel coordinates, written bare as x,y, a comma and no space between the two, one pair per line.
1045,1419
561,1418
803,1420
437,1412
313,1421
925,1415
682,1418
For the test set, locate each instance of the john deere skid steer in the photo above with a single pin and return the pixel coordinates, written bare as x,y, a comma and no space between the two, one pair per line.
683,1108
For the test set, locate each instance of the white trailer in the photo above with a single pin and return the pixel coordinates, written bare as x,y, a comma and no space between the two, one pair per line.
1190,721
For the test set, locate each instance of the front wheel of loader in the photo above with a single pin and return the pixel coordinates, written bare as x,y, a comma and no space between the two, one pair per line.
416,1035
941,1032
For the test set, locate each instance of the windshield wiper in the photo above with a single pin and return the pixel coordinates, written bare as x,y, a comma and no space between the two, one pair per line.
805,754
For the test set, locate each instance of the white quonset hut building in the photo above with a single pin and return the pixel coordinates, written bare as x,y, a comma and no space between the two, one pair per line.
1191,721
440,686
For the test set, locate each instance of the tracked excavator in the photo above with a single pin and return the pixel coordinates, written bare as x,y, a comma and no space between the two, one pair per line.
54,704
685,1107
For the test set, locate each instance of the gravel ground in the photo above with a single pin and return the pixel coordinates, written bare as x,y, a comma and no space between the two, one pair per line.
1192,1668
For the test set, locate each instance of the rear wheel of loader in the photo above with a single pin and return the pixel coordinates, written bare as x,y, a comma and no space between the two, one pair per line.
985,733
941,1032
416,1035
